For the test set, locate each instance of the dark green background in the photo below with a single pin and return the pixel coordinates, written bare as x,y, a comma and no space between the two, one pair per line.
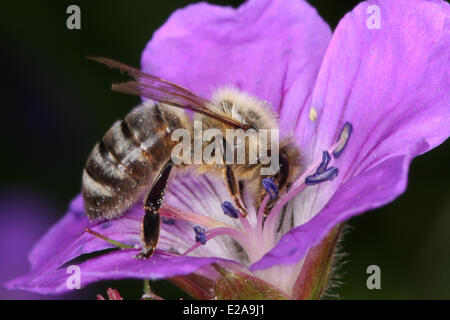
56,104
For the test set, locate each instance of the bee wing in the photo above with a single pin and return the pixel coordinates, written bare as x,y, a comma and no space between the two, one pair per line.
160,90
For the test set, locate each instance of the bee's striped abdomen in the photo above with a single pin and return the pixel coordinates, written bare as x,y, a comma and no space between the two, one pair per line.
123,165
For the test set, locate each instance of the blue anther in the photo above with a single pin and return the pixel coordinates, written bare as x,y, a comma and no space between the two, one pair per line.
270,187
105,225
230,210
324,164
169,221
343,138
328,175
200,235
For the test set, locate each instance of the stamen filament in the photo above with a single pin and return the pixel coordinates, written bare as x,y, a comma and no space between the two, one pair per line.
247,227
109,240
238,236
195,246
260,217
301,183
175,213
272,219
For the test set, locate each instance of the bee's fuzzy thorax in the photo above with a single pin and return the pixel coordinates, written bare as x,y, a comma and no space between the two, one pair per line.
244,107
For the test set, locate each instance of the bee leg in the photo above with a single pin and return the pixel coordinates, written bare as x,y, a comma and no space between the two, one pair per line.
151,223
233,188
282,182
241,185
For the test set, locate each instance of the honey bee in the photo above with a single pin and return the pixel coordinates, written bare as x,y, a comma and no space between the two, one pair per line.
134,157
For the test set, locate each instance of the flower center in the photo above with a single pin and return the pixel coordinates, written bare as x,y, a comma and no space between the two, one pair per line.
258,235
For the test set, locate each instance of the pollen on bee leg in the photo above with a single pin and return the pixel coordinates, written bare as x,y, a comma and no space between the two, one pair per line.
200,235
343,138
230,210
270,187
327,175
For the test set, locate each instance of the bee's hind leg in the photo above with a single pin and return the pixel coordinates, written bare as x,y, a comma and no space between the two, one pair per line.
151,223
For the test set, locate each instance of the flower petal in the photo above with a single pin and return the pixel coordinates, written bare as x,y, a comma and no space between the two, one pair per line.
264,47
392,84
57,238
67,239
369,190
204,195
115,265
24,217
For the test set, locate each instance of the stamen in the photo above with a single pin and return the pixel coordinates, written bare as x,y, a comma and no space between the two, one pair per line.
230,210
178,214
344,136
195,246
109,240
210,234
168,221
308,178
324,164
327,175
200,235
270,187
260,218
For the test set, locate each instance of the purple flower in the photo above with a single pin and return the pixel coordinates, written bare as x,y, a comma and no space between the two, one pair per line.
23,219
360,103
